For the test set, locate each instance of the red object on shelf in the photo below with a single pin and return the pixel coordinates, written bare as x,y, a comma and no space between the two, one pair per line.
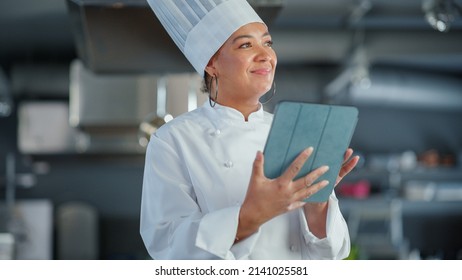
360,189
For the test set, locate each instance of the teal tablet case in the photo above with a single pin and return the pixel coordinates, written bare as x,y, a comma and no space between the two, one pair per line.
297,126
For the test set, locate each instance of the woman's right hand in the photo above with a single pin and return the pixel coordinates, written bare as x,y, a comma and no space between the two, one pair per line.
267,198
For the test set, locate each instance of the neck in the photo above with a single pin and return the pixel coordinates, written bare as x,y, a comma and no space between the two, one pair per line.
246,108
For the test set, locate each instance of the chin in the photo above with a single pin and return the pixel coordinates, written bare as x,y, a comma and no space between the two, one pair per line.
265,87
261,86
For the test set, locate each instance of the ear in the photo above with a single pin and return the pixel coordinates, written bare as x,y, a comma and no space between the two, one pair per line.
211,68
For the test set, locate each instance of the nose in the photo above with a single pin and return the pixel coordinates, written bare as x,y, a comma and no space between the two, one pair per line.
265,54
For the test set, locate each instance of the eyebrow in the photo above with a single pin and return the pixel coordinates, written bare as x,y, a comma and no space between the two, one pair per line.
249,36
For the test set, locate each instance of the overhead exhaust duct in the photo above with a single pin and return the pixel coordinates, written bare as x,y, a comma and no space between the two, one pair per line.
402,89
125,36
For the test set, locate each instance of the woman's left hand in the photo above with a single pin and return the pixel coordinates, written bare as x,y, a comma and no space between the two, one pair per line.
348,164
316,212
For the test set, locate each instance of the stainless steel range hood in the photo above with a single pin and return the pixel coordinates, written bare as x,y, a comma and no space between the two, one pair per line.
111,114
125,36
117,113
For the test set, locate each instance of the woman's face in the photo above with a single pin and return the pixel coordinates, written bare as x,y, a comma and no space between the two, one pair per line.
245,65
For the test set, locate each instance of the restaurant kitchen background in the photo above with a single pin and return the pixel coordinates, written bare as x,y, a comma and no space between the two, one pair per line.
83,83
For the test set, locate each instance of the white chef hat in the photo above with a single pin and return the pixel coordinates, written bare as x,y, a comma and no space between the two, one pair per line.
200,27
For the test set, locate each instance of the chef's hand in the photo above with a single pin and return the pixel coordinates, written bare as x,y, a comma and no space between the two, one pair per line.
316,212
267,198
348,164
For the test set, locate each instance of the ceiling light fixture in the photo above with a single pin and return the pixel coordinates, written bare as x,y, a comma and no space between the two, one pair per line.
440,14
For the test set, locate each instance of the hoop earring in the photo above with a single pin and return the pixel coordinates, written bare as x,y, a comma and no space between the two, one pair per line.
272,94
216,92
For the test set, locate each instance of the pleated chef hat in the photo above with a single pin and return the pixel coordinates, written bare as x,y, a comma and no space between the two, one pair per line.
200,27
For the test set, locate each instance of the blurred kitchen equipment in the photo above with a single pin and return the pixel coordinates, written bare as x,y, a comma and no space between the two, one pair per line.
148,127
420,190
27,234
77,232
6,103
115,113
435,158
377,229
449,191
6,246
44,128
33,229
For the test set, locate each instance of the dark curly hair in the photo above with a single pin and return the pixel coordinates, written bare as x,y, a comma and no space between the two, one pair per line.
206,83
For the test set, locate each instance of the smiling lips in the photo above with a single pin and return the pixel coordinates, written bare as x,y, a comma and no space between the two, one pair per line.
261,71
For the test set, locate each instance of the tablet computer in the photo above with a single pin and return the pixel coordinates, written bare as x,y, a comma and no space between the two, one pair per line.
297,126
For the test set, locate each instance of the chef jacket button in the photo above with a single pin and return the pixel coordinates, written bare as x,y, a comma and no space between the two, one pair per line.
229,164
216,132
293,248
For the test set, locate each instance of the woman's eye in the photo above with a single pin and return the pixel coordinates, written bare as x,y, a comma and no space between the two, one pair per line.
245,46
269,43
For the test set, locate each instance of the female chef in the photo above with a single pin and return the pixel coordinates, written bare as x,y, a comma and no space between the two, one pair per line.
205,195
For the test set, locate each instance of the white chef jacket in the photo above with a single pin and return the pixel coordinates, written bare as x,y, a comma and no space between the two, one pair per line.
197,171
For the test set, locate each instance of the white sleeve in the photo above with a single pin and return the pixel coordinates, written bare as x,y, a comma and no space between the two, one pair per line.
172,225
217,229
336,245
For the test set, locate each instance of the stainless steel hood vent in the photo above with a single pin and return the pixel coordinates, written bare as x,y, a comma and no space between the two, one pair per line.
125,36
112,111
108,108
105,101
106,113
